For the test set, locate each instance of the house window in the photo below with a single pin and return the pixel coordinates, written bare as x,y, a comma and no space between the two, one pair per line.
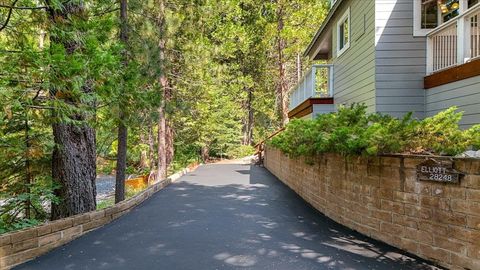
343,33
449,9
426,16
429,14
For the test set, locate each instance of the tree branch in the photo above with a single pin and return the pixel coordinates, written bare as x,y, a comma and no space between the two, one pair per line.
21,8
9,15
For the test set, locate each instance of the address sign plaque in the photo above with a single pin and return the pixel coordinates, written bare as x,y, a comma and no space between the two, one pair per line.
438,171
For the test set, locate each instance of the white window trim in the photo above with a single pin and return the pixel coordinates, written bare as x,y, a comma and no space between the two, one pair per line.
346,15
417,14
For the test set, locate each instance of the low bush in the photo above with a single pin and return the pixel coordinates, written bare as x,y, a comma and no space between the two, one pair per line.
352,131
240,151
15,202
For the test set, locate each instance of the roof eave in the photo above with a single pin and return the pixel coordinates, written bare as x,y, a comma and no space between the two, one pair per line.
322,28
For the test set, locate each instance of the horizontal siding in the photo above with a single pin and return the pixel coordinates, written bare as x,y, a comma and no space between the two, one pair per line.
401,46
400,60
322,109
464,94
354,75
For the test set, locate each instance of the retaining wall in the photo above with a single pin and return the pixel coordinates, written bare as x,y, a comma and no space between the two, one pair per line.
21,246
381,198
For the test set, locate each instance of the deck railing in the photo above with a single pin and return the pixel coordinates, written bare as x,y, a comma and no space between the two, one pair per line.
454,42
318,82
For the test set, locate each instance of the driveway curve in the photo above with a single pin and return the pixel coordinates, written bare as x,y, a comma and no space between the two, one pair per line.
225,216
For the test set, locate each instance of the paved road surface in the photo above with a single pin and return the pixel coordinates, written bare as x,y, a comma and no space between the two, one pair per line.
225,217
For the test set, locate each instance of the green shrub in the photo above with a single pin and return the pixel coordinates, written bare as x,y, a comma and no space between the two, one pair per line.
105,203
439,134
473,134
352,131
12,210
240,151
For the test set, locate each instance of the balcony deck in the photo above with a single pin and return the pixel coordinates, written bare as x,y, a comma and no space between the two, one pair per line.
313,94
313,106
455,42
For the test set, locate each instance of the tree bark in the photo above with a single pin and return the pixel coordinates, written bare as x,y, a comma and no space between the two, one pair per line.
28,169
122,128
169,132
169,140
74,155
282,85
249,119
74,168
161,150
151,146
162,129
205,153
120,175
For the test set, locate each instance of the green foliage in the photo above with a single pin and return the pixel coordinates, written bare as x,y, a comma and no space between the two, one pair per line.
220,65
184,156
441,134
105,203
37,195
131,192
240,151
473,134
352,131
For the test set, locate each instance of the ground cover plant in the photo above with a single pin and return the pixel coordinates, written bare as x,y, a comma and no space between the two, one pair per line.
353,131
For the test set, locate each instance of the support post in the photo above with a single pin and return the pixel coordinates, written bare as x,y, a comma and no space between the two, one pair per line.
314,81
461,33
429,55
330,80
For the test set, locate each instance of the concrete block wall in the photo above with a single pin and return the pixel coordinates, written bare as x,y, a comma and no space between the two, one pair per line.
381,198
21,246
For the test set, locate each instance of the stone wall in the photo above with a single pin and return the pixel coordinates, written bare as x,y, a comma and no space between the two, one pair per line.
21,246
381,198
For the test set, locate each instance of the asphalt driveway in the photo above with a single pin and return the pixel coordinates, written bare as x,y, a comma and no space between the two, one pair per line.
228,216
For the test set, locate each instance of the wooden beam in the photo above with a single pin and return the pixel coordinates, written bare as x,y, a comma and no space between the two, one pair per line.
306,107
454,74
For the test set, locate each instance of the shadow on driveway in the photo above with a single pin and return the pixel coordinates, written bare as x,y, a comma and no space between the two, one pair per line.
226,217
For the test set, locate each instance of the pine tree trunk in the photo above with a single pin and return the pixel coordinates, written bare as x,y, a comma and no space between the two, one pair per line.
151,146
28,169
161,150
205,153
169,140
121,162
122,128
162,129
73,166
282,87
74,155
169,132
249,119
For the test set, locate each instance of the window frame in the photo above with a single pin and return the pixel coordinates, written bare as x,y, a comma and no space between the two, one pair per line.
417,20
417,14
345,17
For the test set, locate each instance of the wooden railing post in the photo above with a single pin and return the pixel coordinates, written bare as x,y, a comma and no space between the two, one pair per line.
429,54
330,81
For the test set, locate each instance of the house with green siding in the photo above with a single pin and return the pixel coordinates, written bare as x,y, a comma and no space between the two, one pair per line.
395,56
